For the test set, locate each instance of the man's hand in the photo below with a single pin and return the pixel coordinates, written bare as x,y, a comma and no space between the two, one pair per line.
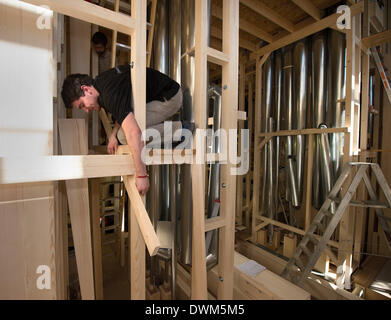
113,145
142,185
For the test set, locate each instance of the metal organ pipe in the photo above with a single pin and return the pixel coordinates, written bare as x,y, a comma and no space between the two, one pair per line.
277,114
292,195
187,83
336,79
300,62
175,73
319,105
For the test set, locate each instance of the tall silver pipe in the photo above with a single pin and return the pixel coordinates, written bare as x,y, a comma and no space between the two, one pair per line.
288,125
160,186
336,80
214,175
160,39
265,112
300,62
175,73
271,181
277,116
319,105
187,83
326,163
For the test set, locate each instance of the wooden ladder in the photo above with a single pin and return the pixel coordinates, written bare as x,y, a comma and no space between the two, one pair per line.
325,222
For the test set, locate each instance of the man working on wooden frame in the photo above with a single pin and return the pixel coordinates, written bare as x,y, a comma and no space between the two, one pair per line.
112,90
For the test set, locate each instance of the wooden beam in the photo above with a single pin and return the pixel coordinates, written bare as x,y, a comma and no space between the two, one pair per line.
89,12
306,31
198,274
73,136
243,43
283,133
54,168
96,237
138,78
310,8
270,14
114,38
151,32
229,105
214,223
245,25
376,39
290,228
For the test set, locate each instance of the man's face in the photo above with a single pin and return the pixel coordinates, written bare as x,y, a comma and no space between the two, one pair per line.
89,101
99,48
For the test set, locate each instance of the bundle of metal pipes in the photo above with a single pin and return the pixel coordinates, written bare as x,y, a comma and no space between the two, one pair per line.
170,197
303,87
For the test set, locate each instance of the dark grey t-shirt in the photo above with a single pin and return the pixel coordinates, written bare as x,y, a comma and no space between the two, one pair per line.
115,90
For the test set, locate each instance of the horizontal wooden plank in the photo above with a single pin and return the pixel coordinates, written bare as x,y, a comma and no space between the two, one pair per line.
376,39
89,12
293,229
214,223
54,168
242,115
216,56
302,132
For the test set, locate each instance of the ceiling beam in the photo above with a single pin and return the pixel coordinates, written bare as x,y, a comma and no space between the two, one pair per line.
243,43
245,25
327,22
270,14
309,8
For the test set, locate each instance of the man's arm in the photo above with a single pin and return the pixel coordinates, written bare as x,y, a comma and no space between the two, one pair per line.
113,142
133,137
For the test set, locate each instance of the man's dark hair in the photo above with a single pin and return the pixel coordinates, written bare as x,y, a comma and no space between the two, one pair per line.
71,88
99,38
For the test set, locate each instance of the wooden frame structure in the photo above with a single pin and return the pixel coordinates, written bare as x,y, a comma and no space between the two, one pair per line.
82,167
351,226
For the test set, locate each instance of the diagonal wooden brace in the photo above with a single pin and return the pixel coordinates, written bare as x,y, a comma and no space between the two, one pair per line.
151,240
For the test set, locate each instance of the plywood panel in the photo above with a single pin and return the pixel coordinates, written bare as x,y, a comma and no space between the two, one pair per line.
74,141
26,210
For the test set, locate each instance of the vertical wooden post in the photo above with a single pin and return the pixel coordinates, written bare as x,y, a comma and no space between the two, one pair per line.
138,76
242,92
151,32
114,39
96,237
362,192
250,122
345,251
198,274
73,136
229,122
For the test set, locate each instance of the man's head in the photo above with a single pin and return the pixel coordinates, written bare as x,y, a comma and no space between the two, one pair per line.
78,92
100,42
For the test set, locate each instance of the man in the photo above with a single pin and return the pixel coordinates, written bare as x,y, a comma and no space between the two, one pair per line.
112,90
99,41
